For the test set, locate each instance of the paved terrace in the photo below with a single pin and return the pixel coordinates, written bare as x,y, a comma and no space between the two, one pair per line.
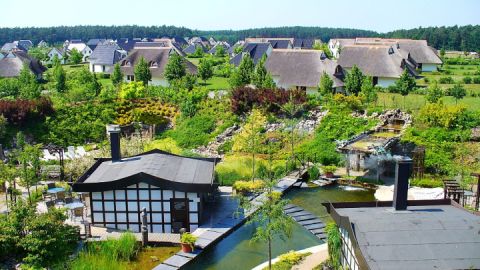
222,221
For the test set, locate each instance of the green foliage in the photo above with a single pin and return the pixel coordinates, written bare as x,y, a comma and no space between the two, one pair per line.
440,115
369,93
175,68
354,80
40,240
192,132
242,75
329,169
442,52
132,90
426,183
313,173
189,81
142,72
29,88
82,85
10,88
458,92
205,69
117,75
334,244
248,186
188,238
3,126
60,78
406,83
261,78
148,111
434,93
75,56
351,102
198,52
326,85
220,51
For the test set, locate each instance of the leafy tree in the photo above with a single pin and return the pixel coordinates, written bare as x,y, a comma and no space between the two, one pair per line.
29,88
205,70
334,244
132,90
142,72
10,87
29,159
405,84
368,90
75,56
458,92
198,52
434,93
220,51
117,75
354,80
291,109
243,74
238,49
3,126
261,78
442,52
26,77
251,136
60,77
189,81
175,68
326,85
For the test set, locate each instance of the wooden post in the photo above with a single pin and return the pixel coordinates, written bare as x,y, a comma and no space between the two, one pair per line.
144,228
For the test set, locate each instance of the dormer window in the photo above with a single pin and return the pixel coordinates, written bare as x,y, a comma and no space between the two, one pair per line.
127,64
154,64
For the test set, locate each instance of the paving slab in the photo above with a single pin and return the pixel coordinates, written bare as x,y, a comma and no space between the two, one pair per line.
304,218
192,254
299,213
164,267
314,226
177,261
309,222
210,235
317,231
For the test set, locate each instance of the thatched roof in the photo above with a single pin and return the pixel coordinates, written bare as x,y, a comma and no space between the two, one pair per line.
378,60
11,66
301,67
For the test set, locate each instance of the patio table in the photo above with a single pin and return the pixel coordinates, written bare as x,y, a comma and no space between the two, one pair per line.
55,190
74,205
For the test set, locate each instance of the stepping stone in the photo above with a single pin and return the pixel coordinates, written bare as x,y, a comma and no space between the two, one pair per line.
300,213
177,261
304,218
314,226
165,267
288,206
317,231
190,255
293,210
309,222
220,229
203,243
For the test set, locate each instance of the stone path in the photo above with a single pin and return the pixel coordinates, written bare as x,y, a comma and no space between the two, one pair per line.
212,233
308,220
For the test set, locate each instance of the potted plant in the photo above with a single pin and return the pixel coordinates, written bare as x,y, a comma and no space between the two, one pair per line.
329,170
187,241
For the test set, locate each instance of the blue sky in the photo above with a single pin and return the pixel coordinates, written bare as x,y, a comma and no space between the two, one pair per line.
240,14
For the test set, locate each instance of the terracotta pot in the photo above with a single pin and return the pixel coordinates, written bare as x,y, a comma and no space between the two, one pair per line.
187,248
329,175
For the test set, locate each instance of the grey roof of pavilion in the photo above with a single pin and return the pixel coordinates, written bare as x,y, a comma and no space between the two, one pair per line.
280,43
213,50
190,49
422,237
303,43
11,66
106,54
255,50
158,55
301,67
374,60
158,167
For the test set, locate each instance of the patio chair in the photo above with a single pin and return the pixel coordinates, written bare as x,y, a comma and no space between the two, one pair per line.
68,200
78,212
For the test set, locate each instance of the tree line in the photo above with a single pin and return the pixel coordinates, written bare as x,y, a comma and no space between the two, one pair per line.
462,38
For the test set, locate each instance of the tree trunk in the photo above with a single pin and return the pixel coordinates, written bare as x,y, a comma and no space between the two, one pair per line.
269,253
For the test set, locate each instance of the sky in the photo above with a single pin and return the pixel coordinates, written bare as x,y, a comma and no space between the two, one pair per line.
381,16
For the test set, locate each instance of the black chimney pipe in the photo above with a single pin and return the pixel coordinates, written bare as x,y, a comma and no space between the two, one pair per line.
114,132
403,171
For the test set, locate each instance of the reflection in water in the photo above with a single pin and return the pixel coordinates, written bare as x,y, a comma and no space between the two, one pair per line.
237,252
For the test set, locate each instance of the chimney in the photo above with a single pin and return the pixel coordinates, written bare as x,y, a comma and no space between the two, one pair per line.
114,132
402,173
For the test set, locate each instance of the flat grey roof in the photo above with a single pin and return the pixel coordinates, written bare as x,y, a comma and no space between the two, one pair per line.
168,167
422,237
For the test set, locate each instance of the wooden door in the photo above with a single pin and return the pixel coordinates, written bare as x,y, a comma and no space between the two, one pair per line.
179,214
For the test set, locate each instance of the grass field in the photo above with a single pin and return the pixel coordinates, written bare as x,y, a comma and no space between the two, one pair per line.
216,83
414,102
457,73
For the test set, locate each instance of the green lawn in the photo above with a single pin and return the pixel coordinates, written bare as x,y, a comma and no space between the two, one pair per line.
216,83
68,67
415,102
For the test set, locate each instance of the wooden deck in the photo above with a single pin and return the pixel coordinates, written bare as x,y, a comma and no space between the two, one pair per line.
307,220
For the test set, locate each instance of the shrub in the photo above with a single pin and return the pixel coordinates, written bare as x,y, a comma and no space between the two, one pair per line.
191,132
313,173
188,238
20,111
440,115
291,257
248,186
476,80
426,183
446,80
245,98
329,169
467,80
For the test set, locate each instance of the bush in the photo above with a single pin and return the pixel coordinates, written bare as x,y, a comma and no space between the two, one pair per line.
192,132
313,173
188,238
440,115
245,98
329,169
446,80
426,183
248,186
20,111
476,80
467,80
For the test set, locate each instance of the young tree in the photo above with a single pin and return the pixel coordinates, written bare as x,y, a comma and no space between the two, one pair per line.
291,109
142,72
442,52
325,86
175,68
75,56
117,75
243,74
189,81
29,88
434,93
458,92
405,84
368,90
205,70
354,80
198,52
250,138
29,159
220,51
261,78
60,77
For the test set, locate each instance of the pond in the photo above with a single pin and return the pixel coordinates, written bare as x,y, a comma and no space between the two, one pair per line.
236,251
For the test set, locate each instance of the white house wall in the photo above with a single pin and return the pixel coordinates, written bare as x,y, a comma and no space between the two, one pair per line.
429,67
121,209
101,68
386,82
